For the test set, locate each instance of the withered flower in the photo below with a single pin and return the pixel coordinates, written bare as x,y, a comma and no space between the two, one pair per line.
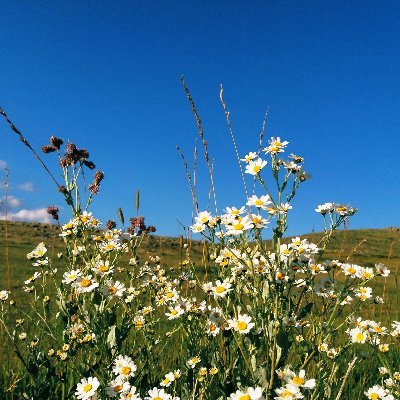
56,142
53,211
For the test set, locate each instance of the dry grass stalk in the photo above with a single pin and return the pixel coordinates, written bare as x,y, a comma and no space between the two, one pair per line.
189,178
204,142
26,143
228,121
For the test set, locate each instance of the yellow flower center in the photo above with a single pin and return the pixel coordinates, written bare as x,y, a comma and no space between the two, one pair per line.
174,312
204,220
245,397
157,398
238,227
258,202
87,388
287,393
374,396
360,337
139,324
85,282
298,381
212,327
257,168
280,275
112,290
126,370
104,268
241,325
117,388
220,289
351,270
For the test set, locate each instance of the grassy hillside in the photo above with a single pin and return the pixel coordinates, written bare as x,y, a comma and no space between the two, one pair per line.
365,247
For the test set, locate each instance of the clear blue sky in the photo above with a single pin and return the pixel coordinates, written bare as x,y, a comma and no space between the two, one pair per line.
105,75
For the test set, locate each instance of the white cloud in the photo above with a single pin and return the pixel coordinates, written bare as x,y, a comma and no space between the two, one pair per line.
13,202
26,187
38,215
3,164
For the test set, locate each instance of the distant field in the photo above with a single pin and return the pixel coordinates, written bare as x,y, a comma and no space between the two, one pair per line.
365,247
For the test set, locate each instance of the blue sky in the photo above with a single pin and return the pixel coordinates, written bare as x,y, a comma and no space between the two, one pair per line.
105,75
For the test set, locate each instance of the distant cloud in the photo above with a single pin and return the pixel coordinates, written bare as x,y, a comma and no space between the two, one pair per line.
13,202
38,215
3,164
26,187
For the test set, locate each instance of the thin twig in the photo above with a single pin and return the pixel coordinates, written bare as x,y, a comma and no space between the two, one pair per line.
26,143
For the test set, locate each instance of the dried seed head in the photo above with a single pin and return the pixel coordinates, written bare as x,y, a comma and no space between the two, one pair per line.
98,177
83,153
62,189
138,222
53,211
48,149
71,148
94,189
89,164
111,224
56,142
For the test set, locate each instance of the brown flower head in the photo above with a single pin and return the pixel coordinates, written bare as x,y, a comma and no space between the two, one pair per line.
48,149
56,142
111,224
53,211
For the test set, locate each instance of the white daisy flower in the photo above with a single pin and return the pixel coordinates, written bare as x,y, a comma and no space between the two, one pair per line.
259,202
103,268
221,289
118,386
249,157
299,380
289,392
255,167
124,367
276,145
248,394
113,289
376,392
87,388
40,251
242,324
175,312
131,395
84,284
158,394
358,335
4,295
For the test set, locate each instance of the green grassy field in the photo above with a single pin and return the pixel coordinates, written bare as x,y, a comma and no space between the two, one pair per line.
364,247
